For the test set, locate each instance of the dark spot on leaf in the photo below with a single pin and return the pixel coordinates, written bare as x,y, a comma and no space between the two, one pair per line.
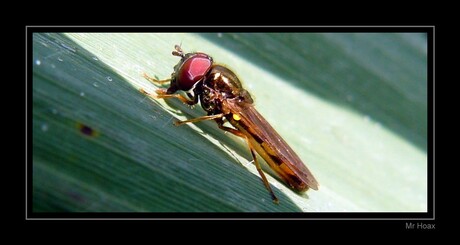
86,130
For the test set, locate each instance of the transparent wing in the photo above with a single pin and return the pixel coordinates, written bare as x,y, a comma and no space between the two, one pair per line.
256,125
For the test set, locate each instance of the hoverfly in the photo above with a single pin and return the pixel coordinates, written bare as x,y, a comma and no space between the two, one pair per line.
222,96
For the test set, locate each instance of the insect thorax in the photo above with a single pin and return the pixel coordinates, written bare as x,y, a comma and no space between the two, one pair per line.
219,85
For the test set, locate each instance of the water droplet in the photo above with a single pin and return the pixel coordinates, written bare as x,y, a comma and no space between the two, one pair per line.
82,94
95,84
109,78
95,58
38,62
53,66
44,127
60,59
219,35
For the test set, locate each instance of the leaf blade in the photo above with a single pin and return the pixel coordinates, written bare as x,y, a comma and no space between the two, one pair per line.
164,170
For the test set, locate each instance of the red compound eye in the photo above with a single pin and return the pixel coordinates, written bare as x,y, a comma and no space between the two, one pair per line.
193,70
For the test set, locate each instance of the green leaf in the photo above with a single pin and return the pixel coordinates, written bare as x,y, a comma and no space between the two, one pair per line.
353,107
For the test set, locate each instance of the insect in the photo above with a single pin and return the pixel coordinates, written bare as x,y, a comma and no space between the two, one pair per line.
222,96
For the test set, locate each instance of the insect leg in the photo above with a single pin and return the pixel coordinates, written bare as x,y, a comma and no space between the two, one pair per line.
251,149
153,80
199,119
161,94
